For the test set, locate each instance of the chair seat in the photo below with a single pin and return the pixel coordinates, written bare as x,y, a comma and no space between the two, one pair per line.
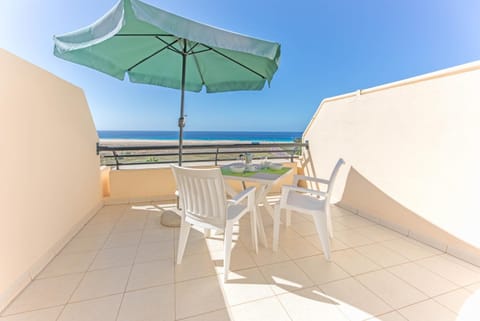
304,202
234,211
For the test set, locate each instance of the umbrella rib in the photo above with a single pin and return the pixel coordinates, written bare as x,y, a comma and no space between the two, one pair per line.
237,62
169,45
150,56
144,35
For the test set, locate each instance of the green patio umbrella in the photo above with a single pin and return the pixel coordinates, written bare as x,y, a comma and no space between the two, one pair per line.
156,47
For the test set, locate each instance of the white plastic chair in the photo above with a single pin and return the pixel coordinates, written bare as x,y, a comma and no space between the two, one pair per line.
309,201
204,204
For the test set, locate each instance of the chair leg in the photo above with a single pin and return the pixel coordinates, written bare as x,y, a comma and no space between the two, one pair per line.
322,231
182,241
288,220
329,221
276,227
227,249
253,227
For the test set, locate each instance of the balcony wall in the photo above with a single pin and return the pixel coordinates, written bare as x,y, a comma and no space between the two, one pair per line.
412,153
49,170
158,184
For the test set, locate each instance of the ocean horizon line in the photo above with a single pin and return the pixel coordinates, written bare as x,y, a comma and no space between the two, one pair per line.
253,136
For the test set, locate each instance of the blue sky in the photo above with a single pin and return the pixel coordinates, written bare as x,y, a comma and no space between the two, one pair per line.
328,48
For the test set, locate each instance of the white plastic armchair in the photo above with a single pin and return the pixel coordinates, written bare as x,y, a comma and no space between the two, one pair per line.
309,201
204,204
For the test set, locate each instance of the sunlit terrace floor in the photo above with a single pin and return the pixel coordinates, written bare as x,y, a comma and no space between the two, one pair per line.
121,267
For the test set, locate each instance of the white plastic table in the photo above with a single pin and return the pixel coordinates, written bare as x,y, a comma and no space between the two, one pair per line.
265,179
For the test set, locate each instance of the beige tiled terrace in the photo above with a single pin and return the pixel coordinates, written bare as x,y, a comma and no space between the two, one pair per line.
120,267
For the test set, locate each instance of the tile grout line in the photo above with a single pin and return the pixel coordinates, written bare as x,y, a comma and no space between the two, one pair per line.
84,274
131,267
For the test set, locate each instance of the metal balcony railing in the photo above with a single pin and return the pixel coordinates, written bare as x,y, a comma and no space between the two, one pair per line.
142,155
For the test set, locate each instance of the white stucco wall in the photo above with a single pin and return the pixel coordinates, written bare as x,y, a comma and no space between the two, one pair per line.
417,141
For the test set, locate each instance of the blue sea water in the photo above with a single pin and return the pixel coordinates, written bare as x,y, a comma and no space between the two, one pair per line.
249,136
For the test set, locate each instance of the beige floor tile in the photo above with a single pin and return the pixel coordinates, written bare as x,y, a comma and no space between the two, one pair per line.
84,244
378,233
305,228
194,266
110,218
198,296
391,316
45,293
155,251
201,245
220,315
285,277
396,292
268,309
103,309
463,263
101,283
411,249
352,238
115,257
354,221
50,314
354,299
450,270
113,209
311,305
454,300
320,270
335,244
297,248
285,234
129,224
151,274
473,287
381,255
267,256
68,264
245,286
353,262
124,239
157,235
427,310
95,230
423,279
149,304
240,259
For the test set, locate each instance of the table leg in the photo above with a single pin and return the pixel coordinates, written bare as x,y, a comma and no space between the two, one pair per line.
259,197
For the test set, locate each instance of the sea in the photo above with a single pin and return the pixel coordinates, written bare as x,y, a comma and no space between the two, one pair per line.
244,136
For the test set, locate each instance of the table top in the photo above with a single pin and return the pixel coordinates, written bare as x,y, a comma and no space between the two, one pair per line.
265,175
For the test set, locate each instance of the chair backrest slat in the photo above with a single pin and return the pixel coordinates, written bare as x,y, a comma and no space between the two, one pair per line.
202,195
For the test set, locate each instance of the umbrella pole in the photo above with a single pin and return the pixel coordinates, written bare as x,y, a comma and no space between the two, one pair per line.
181,120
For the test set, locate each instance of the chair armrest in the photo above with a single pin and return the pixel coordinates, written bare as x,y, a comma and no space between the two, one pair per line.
241,196
287,188
310,178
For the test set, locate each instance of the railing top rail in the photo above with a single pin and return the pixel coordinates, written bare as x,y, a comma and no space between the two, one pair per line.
102,148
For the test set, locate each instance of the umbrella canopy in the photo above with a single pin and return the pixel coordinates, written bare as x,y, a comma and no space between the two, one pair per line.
159,48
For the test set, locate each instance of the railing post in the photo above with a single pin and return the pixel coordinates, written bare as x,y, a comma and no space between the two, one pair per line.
216,156
116,159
